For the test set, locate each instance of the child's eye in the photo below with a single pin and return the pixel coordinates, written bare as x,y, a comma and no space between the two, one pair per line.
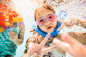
41,20
50,17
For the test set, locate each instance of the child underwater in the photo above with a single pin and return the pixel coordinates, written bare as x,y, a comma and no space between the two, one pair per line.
45,22
11,31
32,42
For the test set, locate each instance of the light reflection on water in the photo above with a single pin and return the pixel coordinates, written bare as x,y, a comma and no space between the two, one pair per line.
75,9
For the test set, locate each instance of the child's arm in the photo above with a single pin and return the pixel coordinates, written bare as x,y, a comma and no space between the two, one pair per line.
72,21
71,45
14,37
76,21
81,37
82,23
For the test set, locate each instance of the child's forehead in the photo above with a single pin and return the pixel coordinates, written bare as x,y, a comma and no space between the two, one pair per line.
41,11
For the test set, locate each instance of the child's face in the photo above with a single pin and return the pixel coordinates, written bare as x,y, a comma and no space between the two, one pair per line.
48,26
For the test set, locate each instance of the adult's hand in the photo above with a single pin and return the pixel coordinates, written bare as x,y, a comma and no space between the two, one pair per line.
71,45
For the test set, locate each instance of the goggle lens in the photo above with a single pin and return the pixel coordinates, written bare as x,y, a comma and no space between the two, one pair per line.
40,21
51,17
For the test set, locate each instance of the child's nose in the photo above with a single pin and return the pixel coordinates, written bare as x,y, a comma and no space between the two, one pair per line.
47,22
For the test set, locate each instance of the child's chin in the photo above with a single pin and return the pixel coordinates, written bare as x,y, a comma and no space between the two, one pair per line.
49,31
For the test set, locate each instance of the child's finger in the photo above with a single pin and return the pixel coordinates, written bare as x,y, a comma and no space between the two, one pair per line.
30,51
45,40
36,54
50,48
74,43
33,56
60,27
62,21
65,46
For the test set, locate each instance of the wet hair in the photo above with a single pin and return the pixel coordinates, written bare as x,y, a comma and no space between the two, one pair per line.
27,42
45,6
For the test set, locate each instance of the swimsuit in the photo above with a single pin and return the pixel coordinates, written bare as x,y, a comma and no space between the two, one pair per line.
7,47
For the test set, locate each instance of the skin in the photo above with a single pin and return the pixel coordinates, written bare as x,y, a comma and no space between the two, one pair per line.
72,21
31,39
44,13
39,49
68,22
81,37
14,37
71,45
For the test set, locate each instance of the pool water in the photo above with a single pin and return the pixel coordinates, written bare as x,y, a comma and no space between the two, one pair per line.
72,8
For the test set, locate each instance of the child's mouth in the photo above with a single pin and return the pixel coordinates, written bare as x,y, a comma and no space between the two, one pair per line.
49,27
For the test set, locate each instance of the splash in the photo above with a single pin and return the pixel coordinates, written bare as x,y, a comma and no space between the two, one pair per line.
84,16
73,8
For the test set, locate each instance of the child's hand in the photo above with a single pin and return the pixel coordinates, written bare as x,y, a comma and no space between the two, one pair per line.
13,36
68,22
71,45
39,49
